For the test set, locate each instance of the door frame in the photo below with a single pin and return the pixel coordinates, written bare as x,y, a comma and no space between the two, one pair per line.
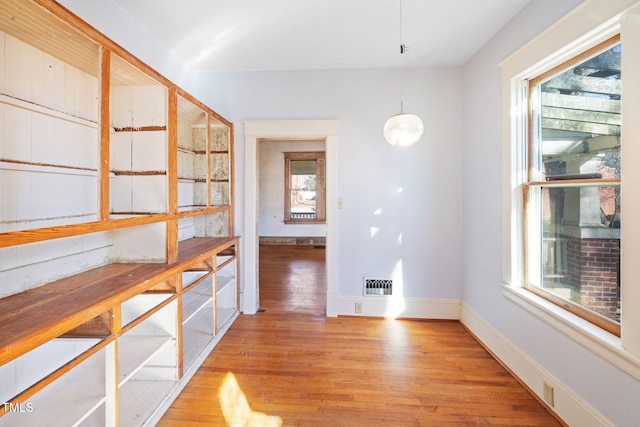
254,133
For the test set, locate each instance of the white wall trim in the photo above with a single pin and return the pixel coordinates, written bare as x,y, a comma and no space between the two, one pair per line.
601,342
394,307
591,22
254,132
568,405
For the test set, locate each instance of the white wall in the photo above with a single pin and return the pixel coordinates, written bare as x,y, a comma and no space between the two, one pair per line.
582,373
402,207
271,190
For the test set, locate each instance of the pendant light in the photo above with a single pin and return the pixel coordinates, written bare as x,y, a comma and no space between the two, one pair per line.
404,128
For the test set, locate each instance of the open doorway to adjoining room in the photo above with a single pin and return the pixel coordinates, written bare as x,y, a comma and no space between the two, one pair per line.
297,132
291,225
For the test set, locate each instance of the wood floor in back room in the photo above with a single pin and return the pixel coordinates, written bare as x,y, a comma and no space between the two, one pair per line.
292,366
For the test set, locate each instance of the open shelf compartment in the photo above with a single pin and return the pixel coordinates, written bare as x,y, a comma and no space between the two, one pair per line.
226,293
147,365
197,312
84,387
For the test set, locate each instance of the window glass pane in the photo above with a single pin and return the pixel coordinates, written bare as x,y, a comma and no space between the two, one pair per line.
303,189
580,251
579,120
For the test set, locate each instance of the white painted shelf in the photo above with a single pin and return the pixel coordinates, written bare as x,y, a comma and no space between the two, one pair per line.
19,374
224,316
221,259
222,282
197,333
196,298
95,418
134,352
66,401
190,277
226,293
141,304
139,399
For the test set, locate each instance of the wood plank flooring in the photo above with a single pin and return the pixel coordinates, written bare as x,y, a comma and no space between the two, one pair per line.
292,366
293,279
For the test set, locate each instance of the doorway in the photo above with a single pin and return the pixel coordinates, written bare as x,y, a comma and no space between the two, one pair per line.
291,226
256,132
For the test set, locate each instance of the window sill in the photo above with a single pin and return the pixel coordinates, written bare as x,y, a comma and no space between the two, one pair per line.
601,342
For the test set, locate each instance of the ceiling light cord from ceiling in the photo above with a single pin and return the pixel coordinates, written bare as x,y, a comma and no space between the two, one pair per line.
403,129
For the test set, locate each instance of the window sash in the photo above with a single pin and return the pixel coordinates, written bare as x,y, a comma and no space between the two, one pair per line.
532,221
534,250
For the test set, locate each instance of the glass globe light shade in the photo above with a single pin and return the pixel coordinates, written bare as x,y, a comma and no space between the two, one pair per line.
403,129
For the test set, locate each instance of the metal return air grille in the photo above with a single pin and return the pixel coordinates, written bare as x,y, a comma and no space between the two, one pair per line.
373,286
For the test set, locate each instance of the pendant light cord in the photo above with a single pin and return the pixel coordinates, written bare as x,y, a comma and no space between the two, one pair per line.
403,129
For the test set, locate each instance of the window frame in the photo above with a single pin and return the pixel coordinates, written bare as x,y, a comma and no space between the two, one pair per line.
320,158
532,200
589,24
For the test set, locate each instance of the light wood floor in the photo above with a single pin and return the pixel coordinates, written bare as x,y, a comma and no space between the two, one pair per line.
292,365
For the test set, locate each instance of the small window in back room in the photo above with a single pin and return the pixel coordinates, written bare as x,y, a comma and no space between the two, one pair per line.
304,198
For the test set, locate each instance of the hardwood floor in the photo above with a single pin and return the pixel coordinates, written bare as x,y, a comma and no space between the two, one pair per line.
293,279
292,366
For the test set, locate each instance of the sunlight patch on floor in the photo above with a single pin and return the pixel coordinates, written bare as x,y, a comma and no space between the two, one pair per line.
236,409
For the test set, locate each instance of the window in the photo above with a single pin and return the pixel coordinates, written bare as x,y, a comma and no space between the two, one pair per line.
304,194
572,200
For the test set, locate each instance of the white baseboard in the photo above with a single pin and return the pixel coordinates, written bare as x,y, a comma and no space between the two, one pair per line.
567,405
389,306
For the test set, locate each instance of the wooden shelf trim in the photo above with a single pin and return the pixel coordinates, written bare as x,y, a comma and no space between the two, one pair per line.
141,129
14,238
138,173
195,283
225,263
31,318
21,165
47,111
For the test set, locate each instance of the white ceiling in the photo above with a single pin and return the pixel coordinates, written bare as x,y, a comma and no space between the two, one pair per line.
232,35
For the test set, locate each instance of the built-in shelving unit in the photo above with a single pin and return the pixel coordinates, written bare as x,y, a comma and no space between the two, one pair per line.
118,263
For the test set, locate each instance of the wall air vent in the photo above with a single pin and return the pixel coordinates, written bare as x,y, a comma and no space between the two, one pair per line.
378,286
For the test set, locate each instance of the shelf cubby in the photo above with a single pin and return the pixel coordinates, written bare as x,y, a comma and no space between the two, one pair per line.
197,320
84,387
226,293
139,141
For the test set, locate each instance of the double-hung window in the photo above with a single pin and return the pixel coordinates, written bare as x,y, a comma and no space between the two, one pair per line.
572,206
304,193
